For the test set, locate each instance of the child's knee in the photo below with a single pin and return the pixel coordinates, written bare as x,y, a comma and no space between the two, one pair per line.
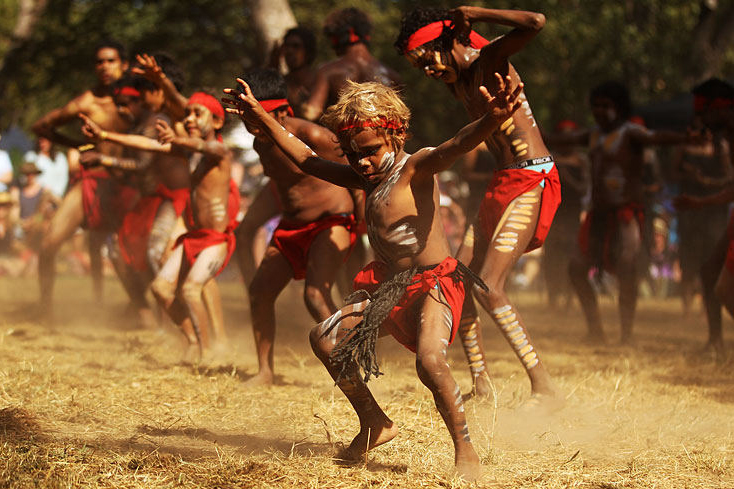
191,291
313,296
163,290
430,364
494,295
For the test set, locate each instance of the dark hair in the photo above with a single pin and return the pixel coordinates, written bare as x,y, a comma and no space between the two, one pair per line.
126,80
340,25
308,38
421,17
617,93
714,88
266,83
170,68
111,43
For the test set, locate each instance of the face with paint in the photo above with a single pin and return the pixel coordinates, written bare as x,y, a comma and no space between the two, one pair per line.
130,108
435,64
200,122
604,111
370,153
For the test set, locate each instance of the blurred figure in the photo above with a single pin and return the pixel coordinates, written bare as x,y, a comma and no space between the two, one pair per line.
349,32
52,164
573,170
6,170
701,170
298,51
10,260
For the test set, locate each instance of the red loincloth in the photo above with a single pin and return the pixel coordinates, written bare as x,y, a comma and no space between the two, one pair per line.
134,232
197,240
402,322
506,186
105,200
294,238
598,232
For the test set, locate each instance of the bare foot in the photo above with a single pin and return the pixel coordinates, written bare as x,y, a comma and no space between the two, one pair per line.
260,378
378,435
468,467
595,339
191,354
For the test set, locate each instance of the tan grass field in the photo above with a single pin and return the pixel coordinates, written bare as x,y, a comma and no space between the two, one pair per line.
95,403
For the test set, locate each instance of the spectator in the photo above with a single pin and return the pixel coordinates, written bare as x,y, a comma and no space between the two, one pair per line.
53,165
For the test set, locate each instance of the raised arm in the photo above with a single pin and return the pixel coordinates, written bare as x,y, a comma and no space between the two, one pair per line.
498,110
526,25
245,105
149,68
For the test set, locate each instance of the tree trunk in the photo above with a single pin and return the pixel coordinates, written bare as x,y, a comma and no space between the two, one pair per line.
270,18
713,33
29,13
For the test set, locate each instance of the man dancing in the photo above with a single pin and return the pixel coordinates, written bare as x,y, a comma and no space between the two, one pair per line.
522,196
315,233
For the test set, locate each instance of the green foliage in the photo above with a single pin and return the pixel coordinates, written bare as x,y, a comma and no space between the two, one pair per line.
646,44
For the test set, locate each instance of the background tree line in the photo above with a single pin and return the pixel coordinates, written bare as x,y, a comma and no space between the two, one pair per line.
659,48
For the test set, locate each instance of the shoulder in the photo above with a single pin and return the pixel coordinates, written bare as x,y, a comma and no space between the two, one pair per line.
311,133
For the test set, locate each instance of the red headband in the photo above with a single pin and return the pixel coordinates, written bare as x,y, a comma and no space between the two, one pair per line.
127,90
273,104
701,103
433,31
381,122
209,102
566,124
353,37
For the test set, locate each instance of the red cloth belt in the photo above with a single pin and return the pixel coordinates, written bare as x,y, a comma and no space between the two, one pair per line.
402,322
294,238
506,186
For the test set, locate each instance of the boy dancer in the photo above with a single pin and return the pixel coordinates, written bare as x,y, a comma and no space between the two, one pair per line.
524,193
202,252
315,233
416,290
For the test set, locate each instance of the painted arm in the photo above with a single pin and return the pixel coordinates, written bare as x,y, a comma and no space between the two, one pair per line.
246,107
134,141
181,144
149,68
498,110
526,25
645,137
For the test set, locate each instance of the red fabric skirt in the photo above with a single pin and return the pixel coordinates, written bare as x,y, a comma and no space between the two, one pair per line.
294,238
197,240
402,322
506,186
134,232
598,233
105,200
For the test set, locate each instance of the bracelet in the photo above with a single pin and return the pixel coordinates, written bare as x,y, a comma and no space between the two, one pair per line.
107,160
103,135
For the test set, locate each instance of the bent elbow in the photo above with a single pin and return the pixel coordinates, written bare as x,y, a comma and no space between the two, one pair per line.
537,21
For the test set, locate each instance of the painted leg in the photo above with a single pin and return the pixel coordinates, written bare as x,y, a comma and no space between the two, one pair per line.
213,302
375,428
68,217
470,331
325,260
433,370
511,237
206,266
271,277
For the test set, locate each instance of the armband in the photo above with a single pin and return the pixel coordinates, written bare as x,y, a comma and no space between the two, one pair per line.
103,135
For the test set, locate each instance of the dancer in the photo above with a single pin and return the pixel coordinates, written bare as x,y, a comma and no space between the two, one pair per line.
416,289
315,233
98,201
524,192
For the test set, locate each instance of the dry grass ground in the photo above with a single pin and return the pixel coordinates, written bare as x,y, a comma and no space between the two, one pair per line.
94,403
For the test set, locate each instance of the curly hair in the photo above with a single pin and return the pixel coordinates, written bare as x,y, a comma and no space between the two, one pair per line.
266,83
365,103
421,17
341,27
617,93
308,39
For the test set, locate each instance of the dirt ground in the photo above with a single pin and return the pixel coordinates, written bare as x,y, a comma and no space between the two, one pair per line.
93,402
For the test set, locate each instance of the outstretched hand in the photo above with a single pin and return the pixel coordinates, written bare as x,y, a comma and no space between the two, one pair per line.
90,128
242,103
505,101
148,68
166,134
